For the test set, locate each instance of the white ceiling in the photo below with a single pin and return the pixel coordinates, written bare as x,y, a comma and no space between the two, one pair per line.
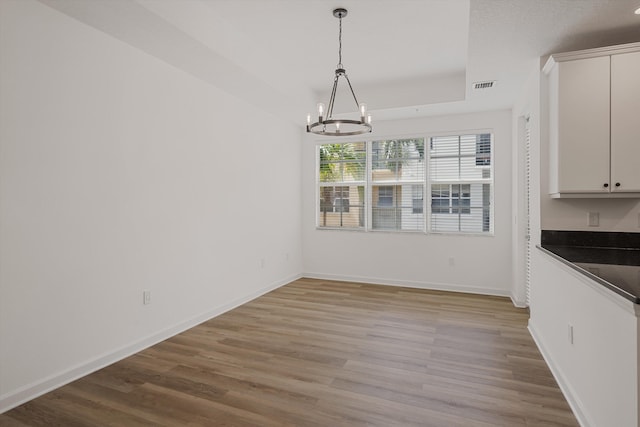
404,57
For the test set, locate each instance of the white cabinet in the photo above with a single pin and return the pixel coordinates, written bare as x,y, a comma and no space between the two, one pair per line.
594,122
625,122
600,371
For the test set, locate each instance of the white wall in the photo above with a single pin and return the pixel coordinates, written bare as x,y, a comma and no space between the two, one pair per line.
119,173
565,214
482,264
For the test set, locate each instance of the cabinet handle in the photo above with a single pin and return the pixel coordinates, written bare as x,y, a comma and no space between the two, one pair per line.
606,185
617,184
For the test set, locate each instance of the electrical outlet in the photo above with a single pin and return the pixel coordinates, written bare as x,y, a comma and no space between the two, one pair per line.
594,219
146,297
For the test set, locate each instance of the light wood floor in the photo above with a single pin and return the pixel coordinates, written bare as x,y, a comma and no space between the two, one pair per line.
321,353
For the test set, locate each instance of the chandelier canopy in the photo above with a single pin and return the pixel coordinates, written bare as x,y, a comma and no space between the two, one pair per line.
326,124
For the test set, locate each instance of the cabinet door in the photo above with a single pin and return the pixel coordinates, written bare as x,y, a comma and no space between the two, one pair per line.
625,122
583,126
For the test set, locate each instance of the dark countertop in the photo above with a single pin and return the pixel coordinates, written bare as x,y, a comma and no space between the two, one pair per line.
610,259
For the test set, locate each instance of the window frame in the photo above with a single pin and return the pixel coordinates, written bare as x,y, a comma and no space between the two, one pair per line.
341,183
482,181
394,183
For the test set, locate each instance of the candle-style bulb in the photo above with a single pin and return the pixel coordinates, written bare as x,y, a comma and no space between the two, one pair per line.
320,110
308,119
369,119
363,110
338,127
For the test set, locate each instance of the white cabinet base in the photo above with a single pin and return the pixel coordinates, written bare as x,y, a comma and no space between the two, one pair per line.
595,195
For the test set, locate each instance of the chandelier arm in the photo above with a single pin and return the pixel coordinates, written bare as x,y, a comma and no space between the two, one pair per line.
332,99
321,128
352,92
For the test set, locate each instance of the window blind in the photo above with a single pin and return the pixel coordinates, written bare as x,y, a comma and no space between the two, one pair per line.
438,184
460,173
527,190
397,177
342,170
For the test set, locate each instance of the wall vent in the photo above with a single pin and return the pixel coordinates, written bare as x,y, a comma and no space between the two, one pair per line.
488,84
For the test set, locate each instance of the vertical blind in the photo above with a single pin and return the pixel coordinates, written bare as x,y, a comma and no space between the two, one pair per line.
527,196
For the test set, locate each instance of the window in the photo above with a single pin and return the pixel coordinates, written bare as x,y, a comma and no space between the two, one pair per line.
342,169
341,199
461,182
451,198
385,196
385,212
417,200
483,149
395,175
397,166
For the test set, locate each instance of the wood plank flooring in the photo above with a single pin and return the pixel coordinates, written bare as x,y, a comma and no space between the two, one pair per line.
326,353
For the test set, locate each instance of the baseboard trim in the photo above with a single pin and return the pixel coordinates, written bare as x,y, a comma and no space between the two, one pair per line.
568,392
518,303
31,391
412,284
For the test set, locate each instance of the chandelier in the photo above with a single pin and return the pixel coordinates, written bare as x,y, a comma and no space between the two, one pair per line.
326,124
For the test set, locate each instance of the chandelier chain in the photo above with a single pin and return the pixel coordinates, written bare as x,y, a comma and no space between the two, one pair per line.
340,44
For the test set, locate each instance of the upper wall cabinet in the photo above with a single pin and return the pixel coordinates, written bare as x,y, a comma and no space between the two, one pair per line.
594,124
625,122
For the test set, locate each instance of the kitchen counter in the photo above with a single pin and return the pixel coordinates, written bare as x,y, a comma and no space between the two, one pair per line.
610,259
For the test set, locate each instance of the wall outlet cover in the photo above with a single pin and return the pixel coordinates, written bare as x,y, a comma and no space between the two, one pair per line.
570,334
